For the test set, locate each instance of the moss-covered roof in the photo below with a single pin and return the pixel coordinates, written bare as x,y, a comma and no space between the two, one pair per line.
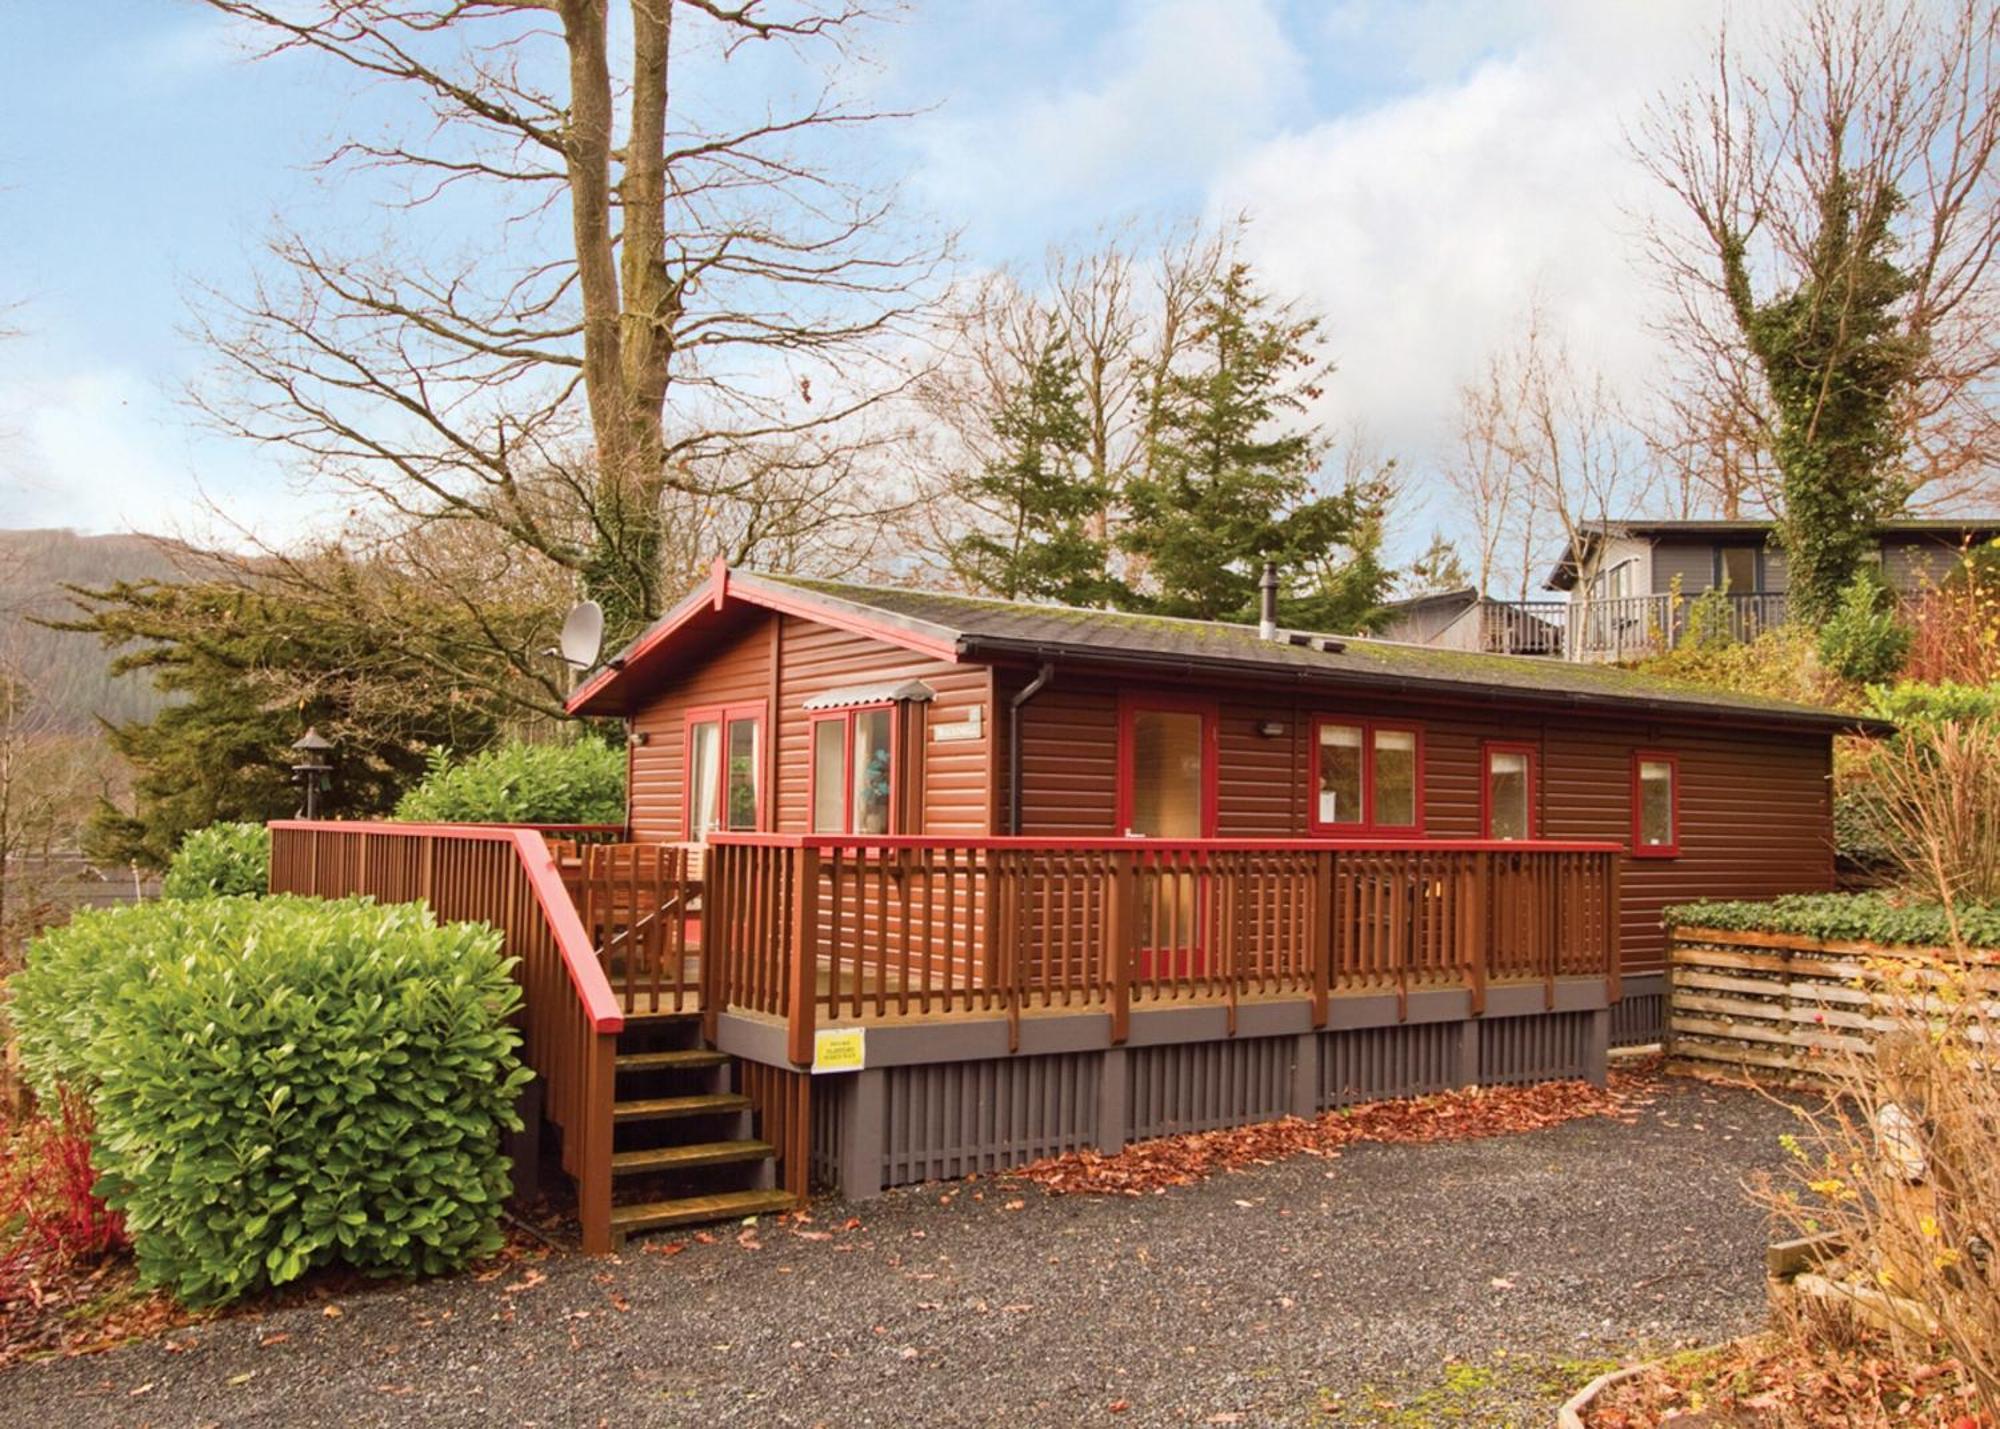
985,627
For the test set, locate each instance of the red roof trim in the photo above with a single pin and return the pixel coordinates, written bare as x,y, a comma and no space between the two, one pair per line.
1080,844
715,594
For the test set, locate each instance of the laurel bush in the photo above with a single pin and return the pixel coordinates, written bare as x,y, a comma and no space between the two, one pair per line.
223,860
514,783
283,1083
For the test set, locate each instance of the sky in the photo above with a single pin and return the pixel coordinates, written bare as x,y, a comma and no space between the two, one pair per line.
1417,170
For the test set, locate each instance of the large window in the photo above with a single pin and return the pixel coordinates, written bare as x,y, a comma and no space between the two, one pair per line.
1508,796
854,771
1736,568
1656,805
724,769
1368,777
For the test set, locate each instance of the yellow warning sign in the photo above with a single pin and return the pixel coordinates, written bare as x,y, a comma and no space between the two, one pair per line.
840,1049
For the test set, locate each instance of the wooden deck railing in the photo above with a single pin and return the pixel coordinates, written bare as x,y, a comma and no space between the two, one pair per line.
818,929
570,1017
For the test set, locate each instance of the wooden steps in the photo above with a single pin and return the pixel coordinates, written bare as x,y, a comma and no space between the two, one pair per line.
666,1108
690,1059
691,1210
681,1158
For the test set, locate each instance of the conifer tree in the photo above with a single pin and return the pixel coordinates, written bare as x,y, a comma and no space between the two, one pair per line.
1231,476
1039,493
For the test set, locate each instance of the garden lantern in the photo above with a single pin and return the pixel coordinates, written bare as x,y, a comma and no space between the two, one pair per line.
314,770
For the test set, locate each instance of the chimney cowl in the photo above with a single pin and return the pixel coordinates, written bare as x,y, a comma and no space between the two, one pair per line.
1267,602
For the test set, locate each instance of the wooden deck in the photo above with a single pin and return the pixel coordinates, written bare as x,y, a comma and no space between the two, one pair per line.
632,954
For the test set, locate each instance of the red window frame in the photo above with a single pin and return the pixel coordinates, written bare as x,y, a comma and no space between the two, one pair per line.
721,716
1129,706
845,718
1487,750
1672,847
1369,824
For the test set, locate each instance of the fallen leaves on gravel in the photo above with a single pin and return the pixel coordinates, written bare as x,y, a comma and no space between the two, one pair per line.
1150,1167
1768,1379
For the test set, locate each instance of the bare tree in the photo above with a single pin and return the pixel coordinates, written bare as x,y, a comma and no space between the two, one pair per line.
681,298
1483,474
1896,102
1545,451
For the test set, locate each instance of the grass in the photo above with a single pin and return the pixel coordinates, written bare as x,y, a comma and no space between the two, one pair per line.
1465,1391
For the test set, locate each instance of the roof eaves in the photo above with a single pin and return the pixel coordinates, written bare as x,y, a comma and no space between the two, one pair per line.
1832,721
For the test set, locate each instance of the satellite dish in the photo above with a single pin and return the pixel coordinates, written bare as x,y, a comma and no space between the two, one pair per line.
582,635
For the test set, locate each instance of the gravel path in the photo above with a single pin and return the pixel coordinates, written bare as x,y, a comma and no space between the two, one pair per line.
1475,1283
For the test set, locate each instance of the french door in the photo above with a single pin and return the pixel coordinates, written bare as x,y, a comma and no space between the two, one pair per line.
1167,791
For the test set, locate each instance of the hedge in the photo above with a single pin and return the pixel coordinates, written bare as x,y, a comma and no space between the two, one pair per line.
1846,917
282,1083
220,861
578,783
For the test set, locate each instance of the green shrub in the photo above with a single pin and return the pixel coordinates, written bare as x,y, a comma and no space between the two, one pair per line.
283,1083
1862,640
1846,917
1710,622
515,783
1917,707
220,861
1782,663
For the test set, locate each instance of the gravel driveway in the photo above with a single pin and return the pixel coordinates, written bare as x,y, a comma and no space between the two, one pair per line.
1474,1282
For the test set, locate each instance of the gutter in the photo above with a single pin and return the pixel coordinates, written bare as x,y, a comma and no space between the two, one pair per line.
1195,666
1015,701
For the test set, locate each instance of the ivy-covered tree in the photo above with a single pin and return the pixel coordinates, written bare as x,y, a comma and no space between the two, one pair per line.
1837,359
1038,493
246,670
1231,475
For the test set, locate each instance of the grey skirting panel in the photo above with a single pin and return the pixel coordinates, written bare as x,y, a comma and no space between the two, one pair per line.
959,1118
1641,1017
1534,1049
906,1123
1370,1063
1198,1086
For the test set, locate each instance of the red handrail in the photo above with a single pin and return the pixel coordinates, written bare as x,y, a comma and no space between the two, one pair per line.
586,974
1114,844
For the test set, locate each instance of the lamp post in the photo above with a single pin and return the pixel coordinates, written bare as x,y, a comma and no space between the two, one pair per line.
314,770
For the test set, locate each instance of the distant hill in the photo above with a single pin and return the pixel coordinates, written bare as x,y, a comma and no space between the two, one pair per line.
72,671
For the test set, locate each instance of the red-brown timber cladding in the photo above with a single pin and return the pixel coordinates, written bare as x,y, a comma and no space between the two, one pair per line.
504,877
1755,805
945,792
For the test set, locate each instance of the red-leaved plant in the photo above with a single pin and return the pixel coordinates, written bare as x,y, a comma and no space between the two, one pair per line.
47,1205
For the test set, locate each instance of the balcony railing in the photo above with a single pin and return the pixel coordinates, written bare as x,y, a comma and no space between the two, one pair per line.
819,931
1623,627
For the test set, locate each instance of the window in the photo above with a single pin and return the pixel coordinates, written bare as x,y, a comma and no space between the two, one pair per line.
1368,777
724,774
1736,567
1656,805
854,771
1509,791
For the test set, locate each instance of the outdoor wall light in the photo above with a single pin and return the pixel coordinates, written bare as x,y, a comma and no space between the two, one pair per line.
1270,728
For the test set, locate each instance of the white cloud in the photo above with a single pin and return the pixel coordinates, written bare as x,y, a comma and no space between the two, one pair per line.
99,449
1423,226
1174,92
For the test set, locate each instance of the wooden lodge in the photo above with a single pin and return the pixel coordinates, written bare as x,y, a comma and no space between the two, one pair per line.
917,885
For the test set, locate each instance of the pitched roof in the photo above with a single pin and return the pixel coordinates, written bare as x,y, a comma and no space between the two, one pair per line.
978,628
